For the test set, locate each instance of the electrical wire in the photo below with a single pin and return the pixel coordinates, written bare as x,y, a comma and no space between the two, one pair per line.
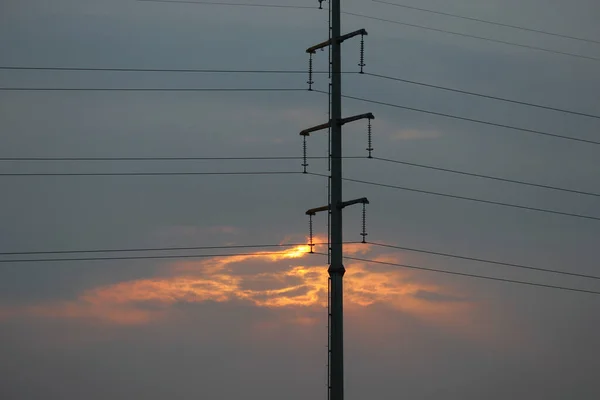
488,22
526,46
530,47
495,178
122,258
473,120
55,89
150,173
173,70
524,103
521,266
164,158
470,275
495,203
212,3
146,249
268,158
267,71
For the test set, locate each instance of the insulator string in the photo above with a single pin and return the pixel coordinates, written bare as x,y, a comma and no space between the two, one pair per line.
369,139
364,223
310,230
362,53
310,71
305,163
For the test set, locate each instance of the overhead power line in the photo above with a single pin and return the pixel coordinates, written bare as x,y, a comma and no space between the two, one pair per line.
160,158
170,70
473,120
525,46
530,47
121,258
528,283
495,178
496,203
457,197
275,158
275,71
524,103
63,89
520,266
149,173
523,28
213,3
146,249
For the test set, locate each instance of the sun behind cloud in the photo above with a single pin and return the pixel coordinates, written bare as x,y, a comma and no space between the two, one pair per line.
259,279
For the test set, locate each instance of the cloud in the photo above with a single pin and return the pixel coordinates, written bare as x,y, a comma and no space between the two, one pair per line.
257,279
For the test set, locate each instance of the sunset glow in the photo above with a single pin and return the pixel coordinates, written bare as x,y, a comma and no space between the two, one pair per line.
258,279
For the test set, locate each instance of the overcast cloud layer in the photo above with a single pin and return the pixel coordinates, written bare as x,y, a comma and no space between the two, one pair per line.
255,326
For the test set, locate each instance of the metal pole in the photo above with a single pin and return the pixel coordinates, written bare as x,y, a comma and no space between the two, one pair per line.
336,268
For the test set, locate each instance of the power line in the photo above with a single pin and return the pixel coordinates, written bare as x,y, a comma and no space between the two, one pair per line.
146,249
471,275
529,104
553,271
41,89
150,173
476,175
496,203
530,47
390,21
121,258
212,3
275,71
489,22
473,120
275,158
526,46
170,70
161,158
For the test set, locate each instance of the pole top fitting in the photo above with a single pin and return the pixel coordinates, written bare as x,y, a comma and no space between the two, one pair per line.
313,211
307,132
362,200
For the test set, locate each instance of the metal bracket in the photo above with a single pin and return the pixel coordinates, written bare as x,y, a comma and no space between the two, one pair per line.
308,131
356,118
342,121
344,204
362,200
341,39
313,211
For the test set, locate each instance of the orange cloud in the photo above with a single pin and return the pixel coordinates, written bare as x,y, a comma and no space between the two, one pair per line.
255,278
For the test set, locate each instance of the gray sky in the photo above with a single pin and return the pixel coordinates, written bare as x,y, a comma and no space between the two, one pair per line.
255,326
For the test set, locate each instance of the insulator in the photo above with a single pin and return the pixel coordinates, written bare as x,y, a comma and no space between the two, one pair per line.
364,223
310,72
369,139
362,53
305,163
310,230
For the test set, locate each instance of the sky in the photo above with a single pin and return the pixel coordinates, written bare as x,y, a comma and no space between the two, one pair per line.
254,325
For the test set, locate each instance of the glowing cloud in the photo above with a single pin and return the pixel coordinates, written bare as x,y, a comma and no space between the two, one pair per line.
254,278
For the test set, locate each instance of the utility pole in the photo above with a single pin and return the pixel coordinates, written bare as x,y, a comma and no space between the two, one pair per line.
336,268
